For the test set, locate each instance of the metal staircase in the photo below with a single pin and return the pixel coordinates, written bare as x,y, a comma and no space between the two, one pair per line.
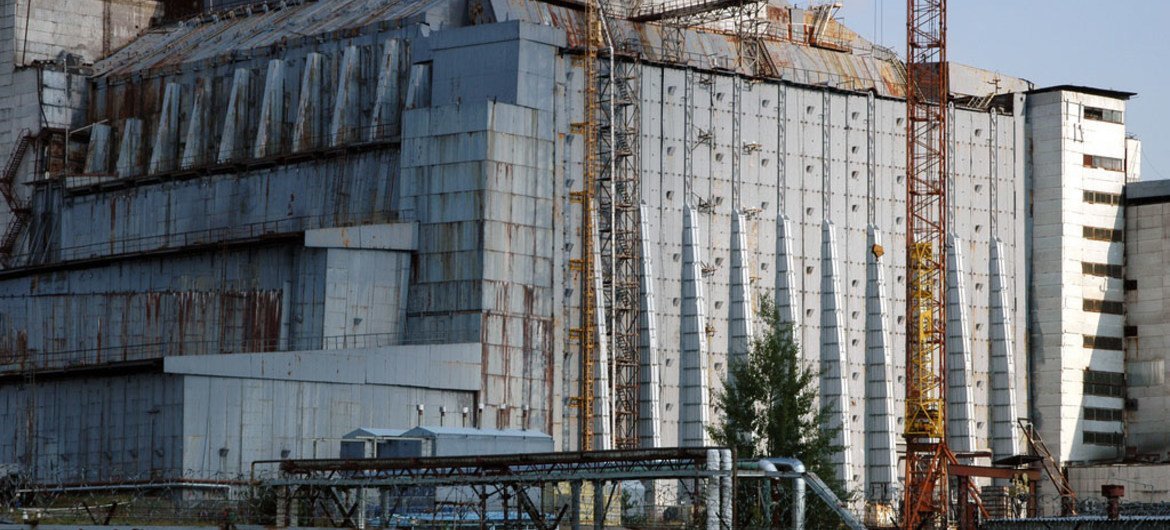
1068,497
20,211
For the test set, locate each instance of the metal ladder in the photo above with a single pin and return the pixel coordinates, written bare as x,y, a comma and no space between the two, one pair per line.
20,211
1068,497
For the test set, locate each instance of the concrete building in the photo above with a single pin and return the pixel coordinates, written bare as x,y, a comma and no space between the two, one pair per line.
1078,169
248,233
1147,318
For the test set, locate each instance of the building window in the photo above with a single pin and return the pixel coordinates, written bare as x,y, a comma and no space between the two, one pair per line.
1104,343
1104,162
1096,414
1102,269
1104,234
1100,197
1104,306
1102,438
1106,384
1107,115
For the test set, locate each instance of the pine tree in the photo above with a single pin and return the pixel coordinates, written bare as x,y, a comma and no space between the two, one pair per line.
769,406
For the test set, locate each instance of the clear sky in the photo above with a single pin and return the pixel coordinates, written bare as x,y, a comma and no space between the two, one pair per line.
1116,44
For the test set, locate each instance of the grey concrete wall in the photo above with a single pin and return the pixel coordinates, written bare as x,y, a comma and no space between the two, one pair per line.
257,406
94,428
792,172
1147,312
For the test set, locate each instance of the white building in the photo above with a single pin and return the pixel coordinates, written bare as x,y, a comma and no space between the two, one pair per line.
1077,172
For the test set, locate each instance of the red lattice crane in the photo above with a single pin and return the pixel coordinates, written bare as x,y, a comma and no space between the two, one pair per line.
927,498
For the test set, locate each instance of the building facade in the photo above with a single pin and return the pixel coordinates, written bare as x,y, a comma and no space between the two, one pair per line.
254,231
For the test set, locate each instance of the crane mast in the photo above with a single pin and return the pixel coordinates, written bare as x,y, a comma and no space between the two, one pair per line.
927,498
585,266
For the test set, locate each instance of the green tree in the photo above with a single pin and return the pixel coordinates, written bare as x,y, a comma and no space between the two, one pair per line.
769,406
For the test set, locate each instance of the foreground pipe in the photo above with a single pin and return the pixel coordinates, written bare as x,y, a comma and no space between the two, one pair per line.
796,466
712,490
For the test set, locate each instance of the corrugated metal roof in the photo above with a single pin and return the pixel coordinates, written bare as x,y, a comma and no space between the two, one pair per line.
372,432
440,432
243,34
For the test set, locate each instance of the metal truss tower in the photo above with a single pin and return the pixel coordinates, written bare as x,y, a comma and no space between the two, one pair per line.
619,196
927,499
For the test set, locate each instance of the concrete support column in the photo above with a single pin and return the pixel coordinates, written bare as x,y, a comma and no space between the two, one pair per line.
787,290
130,150
1004,436
346,107
386,120
650,379
881,465
960,403
270,127
235,123
307,130
741,316
165,151
834,391
195,144
602,395
97,155
693,359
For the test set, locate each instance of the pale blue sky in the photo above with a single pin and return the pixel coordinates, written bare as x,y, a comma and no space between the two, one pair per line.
1116,44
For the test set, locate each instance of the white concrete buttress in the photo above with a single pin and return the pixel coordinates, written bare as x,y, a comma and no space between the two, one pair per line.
166,137
270,129
387,118
97,156
650,379
695,394
1004,436
787,290
195,144
960,402
834,390
741,314
235,122
881,465
346,107
602,395
307,129
130,150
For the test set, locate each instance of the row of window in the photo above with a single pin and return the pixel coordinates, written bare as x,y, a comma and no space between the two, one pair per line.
1105,384
1104,343
1107,115
1107,163
1100,197
1108,235
1102,269
1097,414
1104,306
1103,438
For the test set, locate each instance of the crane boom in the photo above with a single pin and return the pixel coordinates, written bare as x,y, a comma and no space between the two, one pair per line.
927,97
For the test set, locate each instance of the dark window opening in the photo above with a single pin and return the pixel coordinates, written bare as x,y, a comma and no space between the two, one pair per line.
1104,343
1108,235
1104,162
1102,269
1106,384
1102,438
1104,306
1106,115
1097,414
1100,197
